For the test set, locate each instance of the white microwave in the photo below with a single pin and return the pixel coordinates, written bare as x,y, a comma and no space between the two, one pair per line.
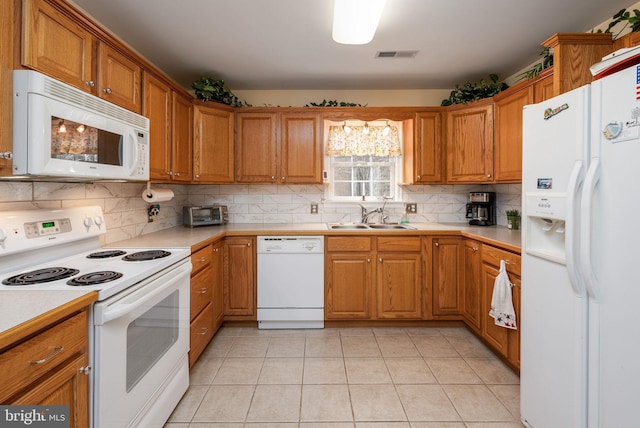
62,132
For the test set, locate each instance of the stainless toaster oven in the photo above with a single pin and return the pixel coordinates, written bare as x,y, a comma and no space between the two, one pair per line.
205,215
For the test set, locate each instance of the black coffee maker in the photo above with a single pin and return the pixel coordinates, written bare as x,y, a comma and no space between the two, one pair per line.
481,208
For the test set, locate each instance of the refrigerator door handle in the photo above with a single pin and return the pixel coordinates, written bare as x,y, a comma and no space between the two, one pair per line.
586,266
572,229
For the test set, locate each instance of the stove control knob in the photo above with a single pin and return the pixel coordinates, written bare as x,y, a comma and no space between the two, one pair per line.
88,222
99,221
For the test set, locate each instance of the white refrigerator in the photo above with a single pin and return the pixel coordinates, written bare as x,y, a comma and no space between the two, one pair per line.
580,335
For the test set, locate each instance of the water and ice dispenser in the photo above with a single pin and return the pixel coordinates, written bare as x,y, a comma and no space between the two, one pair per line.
546,213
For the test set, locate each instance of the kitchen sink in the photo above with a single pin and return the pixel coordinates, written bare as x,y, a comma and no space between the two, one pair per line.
362,226
391,226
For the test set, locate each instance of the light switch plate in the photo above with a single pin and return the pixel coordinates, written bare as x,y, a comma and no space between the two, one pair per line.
314,208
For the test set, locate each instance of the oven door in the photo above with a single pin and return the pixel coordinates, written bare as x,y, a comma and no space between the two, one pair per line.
141,343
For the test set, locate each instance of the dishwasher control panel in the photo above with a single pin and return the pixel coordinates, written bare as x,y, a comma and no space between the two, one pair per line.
290,244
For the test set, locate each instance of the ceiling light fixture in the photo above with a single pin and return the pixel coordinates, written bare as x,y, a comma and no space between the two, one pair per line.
355,21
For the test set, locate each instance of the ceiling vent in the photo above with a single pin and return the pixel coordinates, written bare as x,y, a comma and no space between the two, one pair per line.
396,54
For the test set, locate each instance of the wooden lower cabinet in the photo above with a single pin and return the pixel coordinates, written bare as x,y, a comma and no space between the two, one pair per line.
240,278
201,328
217,278
50,369
447,277
373,278
505,342
472,288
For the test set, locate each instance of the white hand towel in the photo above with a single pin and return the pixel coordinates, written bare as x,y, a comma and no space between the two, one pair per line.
502,302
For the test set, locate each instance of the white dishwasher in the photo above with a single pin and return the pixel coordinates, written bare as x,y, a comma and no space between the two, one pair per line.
290,282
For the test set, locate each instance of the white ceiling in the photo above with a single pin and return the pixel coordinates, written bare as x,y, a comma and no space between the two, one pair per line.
286,44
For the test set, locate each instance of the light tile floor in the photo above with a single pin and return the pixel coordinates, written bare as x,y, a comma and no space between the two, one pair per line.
349,378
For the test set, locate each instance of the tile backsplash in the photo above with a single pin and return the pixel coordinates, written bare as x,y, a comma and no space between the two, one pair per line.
126,211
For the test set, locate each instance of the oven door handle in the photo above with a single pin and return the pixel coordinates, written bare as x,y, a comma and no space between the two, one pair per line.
141,296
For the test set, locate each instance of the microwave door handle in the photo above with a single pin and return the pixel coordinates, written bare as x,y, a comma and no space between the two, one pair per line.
133,151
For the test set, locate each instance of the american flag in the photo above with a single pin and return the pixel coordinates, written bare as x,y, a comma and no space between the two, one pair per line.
637,82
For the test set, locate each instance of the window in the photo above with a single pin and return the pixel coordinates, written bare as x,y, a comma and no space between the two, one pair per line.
363,160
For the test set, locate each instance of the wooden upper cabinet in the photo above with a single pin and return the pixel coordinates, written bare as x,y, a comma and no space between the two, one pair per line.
213,144
256,147
428,154
57,46
470,143
543,86
182,154
119,79
300,148
508,135
157,107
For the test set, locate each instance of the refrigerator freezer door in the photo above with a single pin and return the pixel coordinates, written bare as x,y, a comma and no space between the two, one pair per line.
553,388
611,262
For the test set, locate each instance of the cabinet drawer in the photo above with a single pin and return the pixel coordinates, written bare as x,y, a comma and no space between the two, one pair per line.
28,361
348,243
201,291
201,333
399,243
492,255
201,258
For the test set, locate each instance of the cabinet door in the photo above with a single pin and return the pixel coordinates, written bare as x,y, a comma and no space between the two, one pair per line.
300,148
256,148
348,279
213,145
200,334
157,107
119,79
508,135
428,148
447,276
182,153
67,385
217,275
472,295
57,46
239,277
543,88
514,335
470,144
399,287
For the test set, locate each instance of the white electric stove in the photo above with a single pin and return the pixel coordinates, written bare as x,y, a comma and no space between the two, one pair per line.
140,324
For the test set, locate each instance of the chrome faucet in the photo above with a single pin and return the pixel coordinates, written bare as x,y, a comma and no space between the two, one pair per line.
367,214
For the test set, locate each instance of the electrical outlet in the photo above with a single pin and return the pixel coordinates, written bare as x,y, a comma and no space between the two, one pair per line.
314,208
411,208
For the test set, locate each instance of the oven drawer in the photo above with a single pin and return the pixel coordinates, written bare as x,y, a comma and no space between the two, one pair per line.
201,333
28,361
201,291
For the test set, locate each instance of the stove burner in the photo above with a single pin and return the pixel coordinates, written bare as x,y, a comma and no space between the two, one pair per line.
106,254
40,275
95,278
146,255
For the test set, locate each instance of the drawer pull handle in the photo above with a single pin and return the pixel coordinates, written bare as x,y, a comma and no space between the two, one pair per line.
203,259
55,352
204,331
85,370
203,290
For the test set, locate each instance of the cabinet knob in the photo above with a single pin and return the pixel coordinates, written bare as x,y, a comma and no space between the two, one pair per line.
248,244
197,175
90,83
489,175
380,260
177,174
436,244
107,90
474,249
85,370
215,250
170,172
273,177
368,260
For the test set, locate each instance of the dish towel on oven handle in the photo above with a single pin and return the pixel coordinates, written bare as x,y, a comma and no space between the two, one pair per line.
502,301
